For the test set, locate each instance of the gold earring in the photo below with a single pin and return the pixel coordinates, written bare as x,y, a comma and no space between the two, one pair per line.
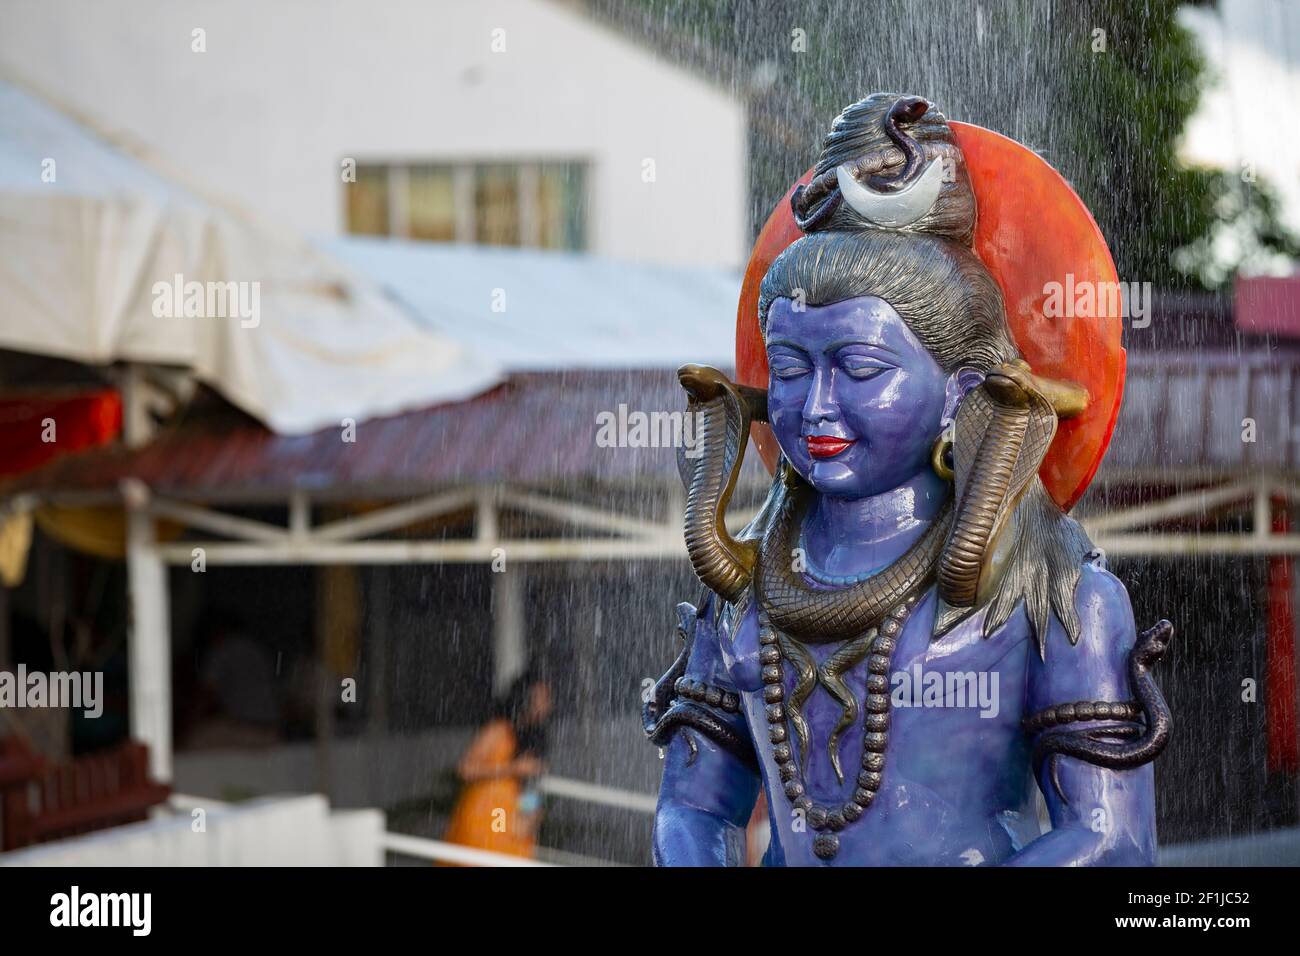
941,454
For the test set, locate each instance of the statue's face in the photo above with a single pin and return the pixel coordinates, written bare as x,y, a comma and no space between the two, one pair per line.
854,398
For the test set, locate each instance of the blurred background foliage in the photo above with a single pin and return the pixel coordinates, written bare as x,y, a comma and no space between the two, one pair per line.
1103,89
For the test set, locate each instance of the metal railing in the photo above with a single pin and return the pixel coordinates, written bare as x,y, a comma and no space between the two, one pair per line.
568,789
563,788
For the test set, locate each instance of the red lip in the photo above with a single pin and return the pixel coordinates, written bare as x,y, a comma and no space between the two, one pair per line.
826,446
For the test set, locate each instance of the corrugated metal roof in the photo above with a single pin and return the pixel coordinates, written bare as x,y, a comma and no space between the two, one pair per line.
542,310
1182,412
536,428
1186,410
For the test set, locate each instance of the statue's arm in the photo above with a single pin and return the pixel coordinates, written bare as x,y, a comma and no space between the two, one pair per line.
710,779
1102,813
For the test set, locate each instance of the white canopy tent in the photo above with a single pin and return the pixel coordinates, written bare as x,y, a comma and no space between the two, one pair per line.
94,247
98,259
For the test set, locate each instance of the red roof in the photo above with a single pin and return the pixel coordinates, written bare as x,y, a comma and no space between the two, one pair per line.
1266,304
1183,409
535,428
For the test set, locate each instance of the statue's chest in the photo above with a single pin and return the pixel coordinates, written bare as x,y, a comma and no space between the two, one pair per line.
964,648
960,687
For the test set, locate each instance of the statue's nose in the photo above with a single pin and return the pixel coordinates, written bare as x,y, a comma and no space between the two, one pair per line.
821,405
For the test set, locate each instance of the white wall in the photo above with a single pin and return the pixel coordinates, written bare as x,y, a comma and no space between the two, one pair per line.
288,88
273,831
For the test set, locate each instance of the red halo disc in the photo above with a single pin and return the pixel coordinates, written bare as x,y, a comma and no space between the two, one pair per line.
1032,230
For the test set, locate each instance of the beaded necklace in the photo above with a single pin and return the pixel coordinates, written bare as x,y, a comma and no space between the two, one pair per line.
827,822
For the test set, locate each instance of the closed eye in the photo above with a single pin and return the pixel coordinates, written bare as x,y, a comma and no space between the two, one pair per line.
785,365
863,369
789,371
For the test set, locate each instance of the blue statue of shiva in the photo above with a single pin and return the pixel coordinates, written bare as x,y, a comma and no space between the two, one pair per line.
912,638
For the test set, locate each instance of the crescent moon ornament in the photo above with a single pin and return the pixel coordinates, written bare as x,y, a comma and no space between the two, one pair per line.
893,209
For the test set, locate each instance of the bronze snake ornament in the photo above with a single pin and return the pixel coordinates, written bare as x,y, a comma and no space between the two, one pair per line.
667,710
819,616
1125,746
1003,430
724,411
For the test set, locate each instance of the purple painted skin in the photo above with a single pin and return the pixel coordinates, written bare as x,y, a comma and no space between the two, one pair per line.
958,787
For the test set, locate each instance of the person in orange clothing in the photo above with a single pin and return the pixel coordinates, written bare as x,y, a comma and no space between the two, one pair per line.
499,807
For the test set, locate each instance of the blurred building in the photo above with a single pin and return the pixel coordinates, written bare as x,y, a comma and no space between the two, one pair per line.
504,122
621,199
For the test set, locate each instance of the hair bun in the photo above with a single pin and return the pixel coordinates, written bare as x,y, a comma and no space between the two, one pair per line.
889,162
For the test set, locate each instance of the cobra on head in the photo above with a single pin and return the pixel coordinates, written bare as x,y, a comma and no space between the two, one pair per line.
881,195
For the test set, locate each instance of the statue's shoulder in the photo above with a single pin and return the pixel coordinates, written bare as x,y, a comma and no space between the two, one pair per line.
700,630
705,625
1091,664
1104,608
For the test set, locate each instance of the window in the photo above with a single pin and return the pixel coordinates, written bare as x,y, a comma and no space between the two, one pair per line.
498,206
431,204
368,202
562,207
540,205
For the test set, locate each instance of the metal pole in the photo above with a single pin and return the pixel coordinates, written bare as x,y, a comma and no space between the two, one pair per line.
509,643
326,687
149,647
378,598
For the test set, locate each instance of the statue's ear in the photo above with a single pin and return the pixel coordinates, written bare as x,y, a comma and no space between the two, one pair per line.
960,384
